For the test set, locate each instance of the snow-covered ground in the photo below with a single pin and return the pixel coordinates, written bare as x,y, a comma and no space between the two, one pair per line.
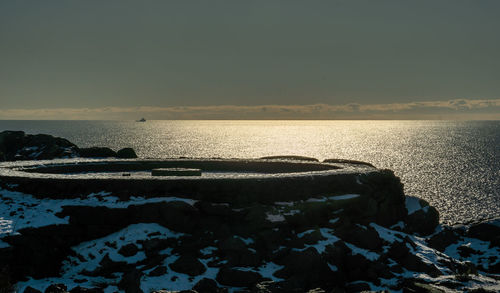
19,210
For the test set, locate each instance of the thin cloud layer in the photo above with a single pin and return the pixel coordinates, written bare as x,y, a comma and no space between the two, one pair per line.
461,109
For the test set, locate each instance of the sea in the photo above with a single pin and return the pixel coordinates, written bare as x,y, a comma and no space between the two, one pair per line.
454,165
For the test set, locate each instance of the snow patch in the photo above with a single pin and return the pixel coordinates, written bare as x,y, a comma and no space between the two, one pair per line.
275,218
370,255
21,210
387,234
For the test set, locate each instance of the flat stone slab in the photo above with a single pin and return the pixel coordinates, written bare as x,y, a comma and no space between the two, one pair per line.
176,172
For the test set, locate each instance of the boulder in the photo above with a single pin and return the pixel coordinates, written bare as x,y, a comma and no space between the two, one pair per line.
232,244
415,263
424,221
96,152
30,289
107,267
398,251
364,237
485,231
128,250
16,145
237,278
358,287
443,239
208,286
307,268
466,251
131,282
189,265
158,271
126,153
56,288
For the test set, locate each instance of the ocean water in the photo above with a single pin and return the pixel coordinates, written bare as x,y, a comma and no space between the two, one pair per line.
455,165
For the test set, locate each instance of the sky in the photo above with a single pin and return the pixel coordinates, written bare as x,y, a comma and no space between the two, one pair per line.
259,59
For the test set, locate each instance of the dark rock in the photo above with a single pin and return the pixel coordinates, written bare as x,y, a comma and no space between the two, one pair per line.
354,162
79,289
413,286
153,246
158,271
96,152
424,221
414,263
387,191
126,153
31,290
307,268
466,251
16,145
335,252
232,244
208,286
480,290
313,237
357,287
276,287
355,267
128,250
188,264
131,282
495,269
219,210
398,250
56,288
290,158
486,232
107,267
237,278
443,239
110,244
364,237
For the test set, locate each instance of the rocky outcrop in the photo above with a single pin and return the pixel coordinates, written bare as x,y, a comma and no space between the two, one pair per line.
354,231
265,248
126,153
17,145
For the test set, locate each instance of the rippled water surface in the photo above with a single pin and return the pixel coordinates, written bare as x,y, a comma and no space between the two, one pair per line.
453,165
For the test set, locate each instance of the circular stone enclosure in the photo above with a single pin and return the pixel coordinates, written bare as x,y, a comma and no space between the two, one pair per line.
222,180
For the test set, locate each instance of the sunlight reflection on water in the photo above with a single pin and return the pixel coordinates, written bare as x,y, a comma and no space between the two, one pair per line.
453,165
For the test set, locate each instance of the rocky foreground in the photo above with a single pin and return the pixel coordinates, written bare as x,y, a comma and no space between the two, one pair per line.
102,244
372,239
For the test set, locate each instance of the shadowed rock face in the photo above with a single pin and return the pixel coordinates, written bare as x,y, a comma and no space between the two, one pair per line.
301,245
17,145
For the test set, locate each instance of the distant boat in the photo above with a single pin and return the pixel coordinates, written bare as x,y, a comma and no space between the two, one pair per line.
142,120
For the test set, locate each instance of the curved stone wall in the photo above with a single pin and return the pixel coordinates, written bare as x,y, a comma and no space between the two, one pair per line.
223,180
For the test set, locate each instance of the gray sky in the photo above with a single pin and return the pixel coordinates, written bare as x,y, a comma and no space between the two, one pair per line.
162,54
